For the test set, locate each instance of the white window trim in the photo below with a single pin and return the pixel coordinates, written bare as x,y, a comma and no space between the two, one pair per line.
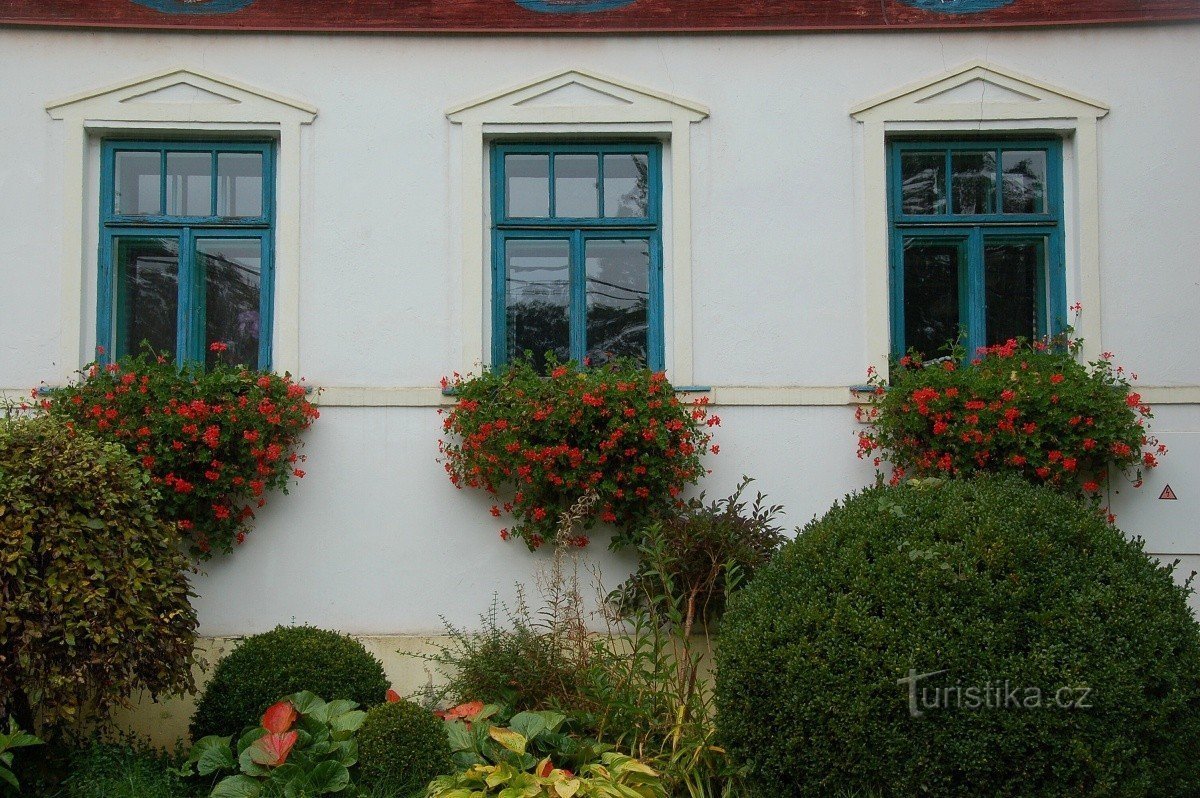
172,103
578,103
979,96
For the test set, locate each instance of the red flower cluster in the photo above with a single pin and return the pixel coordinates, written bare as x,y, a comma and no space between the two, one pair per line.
540,442
1032,409
213,441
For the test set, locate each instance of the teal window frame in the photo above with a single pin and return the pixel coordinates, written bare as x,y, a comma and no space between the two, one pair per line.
577,231
973,232
190,345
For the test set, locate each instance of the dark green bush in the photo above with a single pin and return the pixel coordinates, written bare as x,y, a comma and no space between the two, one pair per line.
401,748
285,660
997,583
93,586
123,770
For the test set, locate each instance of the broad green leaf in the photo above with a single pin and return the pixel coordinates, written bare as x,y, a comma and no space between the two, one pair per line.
310,705
328,777
340,706
237,787
211,754
348,721
530,724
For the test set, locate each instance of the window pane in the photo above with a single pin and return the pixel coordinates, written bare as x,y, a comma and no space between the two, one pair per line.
527,185
239,184
626,186
576,186
138,181
974,182
1011,278
923,181
538,298
1024,181
189,184
931,295
147,293
618,298
232,269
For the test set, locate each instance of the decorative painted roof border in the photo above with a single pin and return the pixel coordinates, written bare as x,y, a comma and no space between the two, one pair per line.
583,16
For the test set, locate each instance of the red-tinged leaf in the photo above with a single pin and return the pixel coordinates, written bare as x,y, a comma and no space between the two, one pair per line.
466,711
545,768
392,696
272,750
279,717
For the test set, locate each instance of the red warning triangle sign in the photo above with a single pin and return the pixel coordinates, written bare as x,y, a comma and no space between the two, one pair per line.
1168,494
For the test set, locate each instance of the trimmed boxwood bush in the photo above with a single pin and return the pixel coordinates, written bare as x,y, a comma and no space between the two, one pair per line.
93,584
998,583
401,748
285,660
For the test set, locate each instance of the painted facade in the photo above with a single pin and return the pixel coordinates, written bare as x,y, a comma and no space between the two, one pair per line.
774,254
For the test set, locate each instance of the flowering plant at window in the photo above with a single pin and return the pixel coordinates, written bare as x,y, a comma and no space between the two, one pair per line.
215,441
537,442
1025,407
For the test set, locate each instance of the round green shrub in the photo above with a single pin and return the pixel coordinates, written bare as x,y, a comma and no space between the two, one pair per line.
995,585
93,584
401,748
285,660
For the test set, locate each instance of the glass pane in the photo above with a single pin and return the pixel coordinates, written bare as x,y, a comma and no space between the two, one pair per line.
974,182
239,184
931,295
538,298
626,186
189,184
1012,272
576,186
147,293
137,183
1024,181
618,298
232,269
923,182
527,185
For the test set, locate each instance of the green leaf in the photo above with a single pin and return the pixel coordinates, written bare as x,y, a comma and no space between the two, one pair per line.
328,777
310,705
237,787
347,721
211,754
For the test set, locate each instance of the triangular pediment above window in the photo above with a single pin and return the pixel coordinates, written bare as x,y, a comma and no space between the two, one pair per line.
577,95
978,90
180,95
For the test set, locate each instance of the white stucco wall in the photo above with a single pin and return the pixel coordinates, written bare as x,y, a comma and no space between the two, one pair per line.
375,540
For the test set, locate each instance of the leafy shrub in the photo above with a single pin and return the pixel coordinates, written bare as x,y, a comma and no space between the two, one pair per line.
286,660
127,769
529,757
514,660
94,594
691,560
616,432
216,440
401,748
1027,409
303,747
991,584
11,740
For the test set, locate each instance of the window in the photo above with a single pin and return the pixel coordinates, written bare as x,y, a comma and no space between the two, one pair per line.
186,249
577,252
976,242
